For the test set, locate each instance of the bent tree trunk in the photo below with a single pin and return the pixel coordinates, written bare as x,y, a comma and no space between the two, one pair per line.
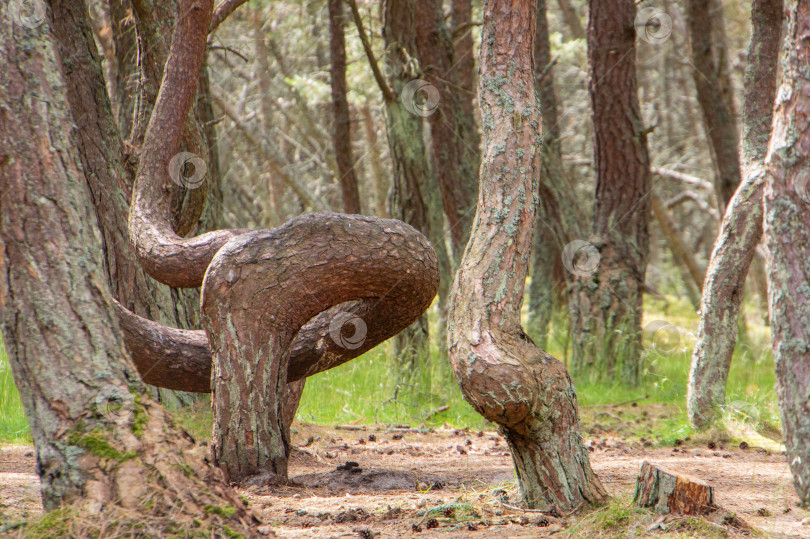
787,222
741,229
607,303
100,441
502,374
262,287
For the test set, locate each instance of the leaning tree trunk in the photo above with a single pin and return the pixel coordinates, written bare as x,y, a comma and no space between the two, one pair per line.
713,96
787,222
502,374
342,128
100,441
607,301
741,229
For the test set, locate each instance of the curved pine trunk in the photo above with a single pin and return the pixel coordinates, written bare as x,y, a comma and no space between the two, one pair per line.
741,229
502,374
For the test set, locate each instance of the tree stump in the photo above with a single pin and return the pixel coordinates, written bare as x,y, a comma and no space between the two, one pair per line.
670,492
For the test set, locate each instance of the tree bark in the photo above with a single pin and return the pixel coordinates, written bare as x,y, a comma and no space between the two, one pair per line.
607,302
453,131
787,222
670,492
341,130
502,374
461,21
100,441
378,177
292,273
741,229
714,95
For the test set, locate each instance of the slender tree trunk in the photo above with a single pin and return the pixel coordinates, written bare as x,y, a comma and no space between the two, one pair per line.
571,18
378,177
741,229
556,214
100,441
507,379
787,222
453,132
461,20
342,127
714,94
608,298
409,154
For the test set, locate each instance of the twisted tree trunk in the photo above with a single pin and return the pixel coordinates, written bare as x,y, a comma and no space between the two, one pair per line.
502,374
741,229
260,288
787,237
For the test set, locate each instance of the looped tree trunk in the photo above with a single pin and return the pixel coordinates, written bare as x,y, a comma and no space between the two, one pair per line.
261,288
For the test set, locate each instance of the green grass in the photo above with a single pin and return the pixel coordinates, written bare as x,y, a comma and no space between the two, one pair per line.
13,423
374,389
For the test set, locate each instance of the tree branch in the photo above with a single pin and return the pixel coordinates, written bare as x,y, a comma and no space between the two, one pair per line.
388,94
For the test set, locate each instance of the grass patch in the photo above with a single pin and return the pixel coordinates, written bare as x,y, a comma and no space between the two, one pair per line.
373,389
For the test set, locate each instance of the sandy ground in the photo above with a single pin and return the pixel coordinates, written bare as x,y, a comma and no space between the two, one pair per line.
457,483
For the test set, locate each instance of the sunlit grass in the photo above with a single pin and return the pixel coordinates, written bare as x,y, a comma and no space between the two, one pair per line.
374,389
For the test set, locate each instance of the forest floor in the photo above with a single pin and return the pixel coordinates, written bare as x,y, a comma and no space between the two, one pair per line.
445,482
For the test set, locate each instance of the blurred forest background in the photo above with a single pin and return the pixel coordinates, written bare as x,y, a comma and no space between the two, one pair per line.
277,151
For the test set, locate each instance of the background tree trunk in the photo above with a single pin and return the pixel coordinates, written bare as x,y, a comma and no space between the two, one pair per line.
714,93
453,132
502,374
99,440
608,299
741,229
787,238
342,128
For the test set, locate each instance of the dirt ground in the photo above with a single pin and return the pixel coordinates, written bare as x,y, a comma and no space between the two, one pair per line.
401,482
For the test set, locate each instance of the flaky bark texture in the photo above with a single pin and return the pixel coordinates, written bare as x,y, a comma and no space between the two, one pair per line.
289,275
741,229
502,374
101,444
607,304
713,93
341,130
787,238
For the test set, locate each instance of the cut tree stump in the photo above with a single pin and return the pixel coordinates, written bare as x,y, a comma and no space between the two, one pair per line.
666,491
